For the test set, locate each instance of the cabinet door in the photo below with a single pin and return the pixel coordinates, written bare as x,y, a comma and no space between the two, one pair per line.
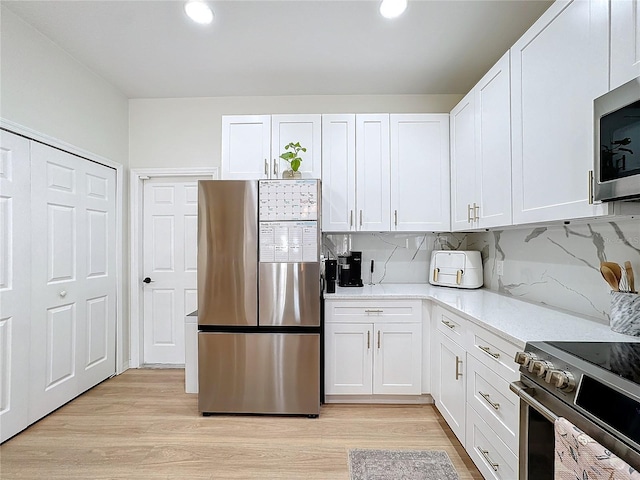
398,357
246,147
303,129
15,283
373,197
625,41
420,172
463,163
338,172
558,67
348,358
451,401
493,146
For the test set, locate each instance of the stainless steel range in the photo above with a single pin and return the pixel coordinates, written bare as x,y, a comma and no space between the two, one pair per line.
594,385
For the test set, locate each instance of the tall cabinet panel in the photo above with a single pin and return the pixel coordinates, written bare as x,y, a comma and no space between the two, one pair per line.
246,147
420,172
625,41
558,67
338,172
15,289
372,172
493,146
463,162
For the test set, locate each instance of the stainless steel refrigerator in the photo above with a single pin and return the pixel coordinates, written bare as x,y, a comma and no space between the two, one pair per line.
259,297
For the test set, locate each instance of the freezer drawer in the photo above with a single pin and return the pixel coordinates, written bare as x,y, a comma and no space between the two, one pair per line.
269,373
289,294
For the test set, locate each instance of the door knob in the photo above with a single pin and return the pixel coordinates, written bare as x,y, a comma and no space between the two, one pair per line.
147,280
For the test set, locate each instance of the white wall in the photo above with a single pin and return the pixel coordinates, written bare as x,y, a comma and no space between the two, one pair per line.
46,90
186,132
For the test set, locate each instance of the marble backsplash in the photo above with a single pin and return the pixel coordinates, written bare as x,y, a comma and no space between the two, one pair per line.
556,265
398,257
559,265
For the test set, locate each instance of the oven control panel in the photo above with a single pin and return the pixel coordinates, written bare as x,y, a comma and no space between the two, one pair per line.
545,370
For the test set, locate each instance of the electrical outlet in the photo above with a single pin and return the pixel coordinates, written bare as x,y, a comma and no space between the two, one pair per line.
500,267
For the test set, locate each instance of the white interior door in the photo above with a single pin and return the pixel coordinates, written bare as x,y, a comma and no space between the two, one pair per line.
15,290
73,277
170,228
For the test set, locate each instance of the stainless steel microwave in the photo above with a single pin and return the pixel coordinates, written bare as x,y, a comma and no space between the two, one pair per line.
617,143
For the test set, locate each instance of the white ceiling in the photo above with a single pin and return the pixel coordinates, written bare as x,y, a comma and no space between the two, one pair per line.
150,49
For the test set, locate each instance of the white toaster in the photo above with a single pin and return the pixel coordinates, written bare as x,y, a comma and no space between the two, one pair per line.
453,268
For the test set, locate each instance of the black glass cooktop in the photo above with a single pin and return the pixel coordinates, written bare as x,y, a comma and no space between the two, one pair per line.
620,358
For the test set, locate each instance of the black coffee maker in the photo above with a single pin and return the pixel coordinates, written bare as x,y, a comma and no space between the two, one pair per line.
350,270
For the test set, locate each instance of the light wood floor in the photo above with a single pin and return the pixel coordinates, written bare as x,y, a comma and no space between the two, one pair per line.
141,425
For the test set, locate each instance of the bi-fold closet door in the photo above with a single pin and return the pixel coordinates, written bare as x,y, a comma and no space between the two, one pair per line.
58,325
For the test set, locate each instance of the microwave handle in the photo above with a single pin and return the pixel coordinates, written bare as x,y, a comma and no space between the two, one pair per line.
523,392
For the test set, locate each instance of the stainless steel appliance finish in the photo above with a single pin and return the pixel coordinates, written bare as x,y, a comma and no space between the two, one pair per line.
602,402
289,294
259,316
270,373
227,260
617,143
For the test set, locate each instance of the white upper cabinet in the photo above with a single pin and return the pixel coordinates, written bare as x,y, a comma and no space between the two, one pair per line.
246,147
303,129
338,172
481,153
558,67
463,163
493,146
625,41
420,172
252,144
372,173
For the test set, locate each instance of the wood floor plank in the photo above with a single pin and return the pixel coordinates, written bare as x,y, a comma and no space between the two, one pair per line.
141,425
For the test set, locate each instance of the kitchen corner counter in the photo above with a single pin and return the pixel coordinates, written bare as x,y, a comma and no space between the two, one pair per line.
514,320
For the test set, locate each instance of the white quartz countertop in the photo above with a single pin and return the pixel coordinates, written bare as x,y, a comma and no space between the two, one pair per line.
515,320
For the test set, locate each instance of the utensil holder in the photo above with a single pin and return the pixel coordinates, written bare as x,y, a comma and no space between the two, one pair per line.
625,313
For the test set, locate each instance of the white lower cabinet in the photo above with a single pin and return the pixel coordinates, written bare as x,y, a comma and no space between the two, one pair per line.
373,348
471,371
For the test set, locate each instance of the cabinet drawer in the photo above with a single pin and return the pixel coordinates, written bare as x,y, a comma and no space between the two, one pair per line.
451,325
495,352
490,397
490,454
374,311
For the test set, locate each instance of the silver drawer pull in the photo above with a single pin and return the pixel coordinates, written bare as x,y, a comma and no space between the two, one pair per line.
458,363
449,324
488,400
373,311
485,454
488,351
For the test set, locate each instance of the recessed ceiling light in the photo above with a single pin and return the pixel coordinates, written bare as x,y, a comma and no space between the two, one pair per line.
199,12
392,8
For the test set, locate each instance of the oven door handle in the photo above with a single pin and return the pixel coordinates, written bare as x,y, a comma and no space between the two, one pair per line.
524,392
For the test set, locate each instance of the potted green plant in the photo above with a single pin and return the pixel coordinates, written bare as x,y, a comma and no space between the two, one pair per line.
291,155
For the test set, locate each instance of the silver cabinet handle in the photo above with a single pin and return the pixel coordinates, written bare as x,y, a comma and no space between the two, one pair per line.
488,351
469,219
360,218
485,454
266,168
476,210
458,372
449,324
395,214
368,340
275,167
378,339
590,187
495,405
63,293
373,311
351,219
